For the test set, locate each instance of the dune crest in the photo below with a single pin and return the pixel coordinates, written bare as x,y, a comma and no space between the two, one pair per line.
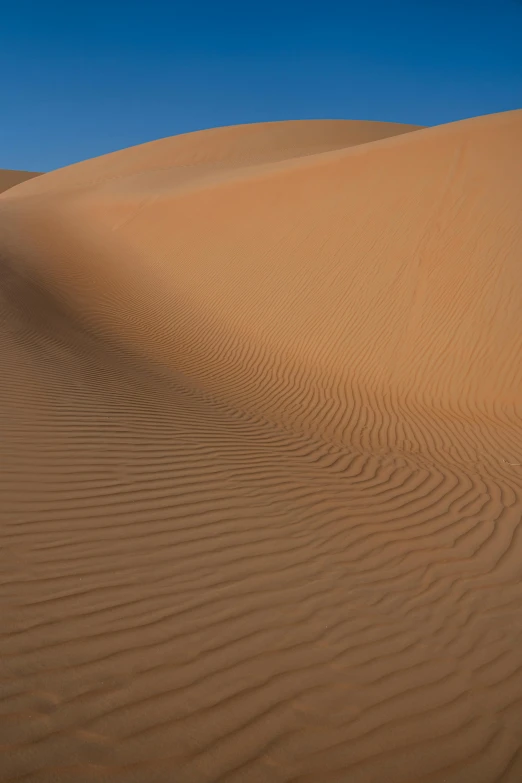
261,436
9,178
183,156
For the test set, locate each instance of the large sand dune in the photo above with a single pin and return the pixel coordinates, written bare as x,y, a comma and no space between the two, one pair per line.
261,489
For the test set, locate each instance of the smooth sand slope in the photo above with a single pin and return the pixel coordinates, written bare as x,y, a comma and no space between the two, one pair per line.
261,488
9,178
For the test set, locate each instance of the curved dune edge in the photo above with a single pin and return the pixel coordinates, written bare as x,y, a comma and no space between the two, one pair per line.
260,497
232,147
9,178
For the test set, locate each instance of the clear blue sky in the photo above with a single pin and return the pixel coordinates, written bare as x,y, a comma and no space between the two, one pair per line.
79,79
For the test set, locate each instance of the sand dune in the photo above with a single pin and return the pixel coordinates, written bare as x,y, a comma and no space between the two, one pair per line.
184,157
9,178
261,447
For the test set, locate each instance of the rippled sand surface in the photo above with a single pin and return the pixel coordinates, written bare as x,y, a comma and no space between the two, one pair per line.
261,459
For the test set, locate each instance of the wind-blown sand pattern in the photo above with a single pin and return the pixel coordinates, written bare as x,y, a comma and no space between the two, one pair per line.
261,486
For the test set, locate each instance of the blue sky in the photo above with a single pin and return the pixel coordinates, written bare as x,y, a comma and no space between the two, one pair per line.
81,79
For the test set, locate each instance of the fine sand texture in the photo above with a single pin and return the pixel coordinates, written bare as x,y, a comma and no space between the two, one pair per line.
261,459
9,178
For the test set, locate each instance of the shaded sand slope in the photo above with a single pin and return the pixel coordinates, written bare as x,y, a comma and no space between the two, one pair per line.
261,498
9,178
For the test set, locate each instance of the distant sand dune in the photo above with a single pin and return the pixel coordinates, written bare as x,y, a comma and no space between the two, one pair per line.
9,178
261,500
238,146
